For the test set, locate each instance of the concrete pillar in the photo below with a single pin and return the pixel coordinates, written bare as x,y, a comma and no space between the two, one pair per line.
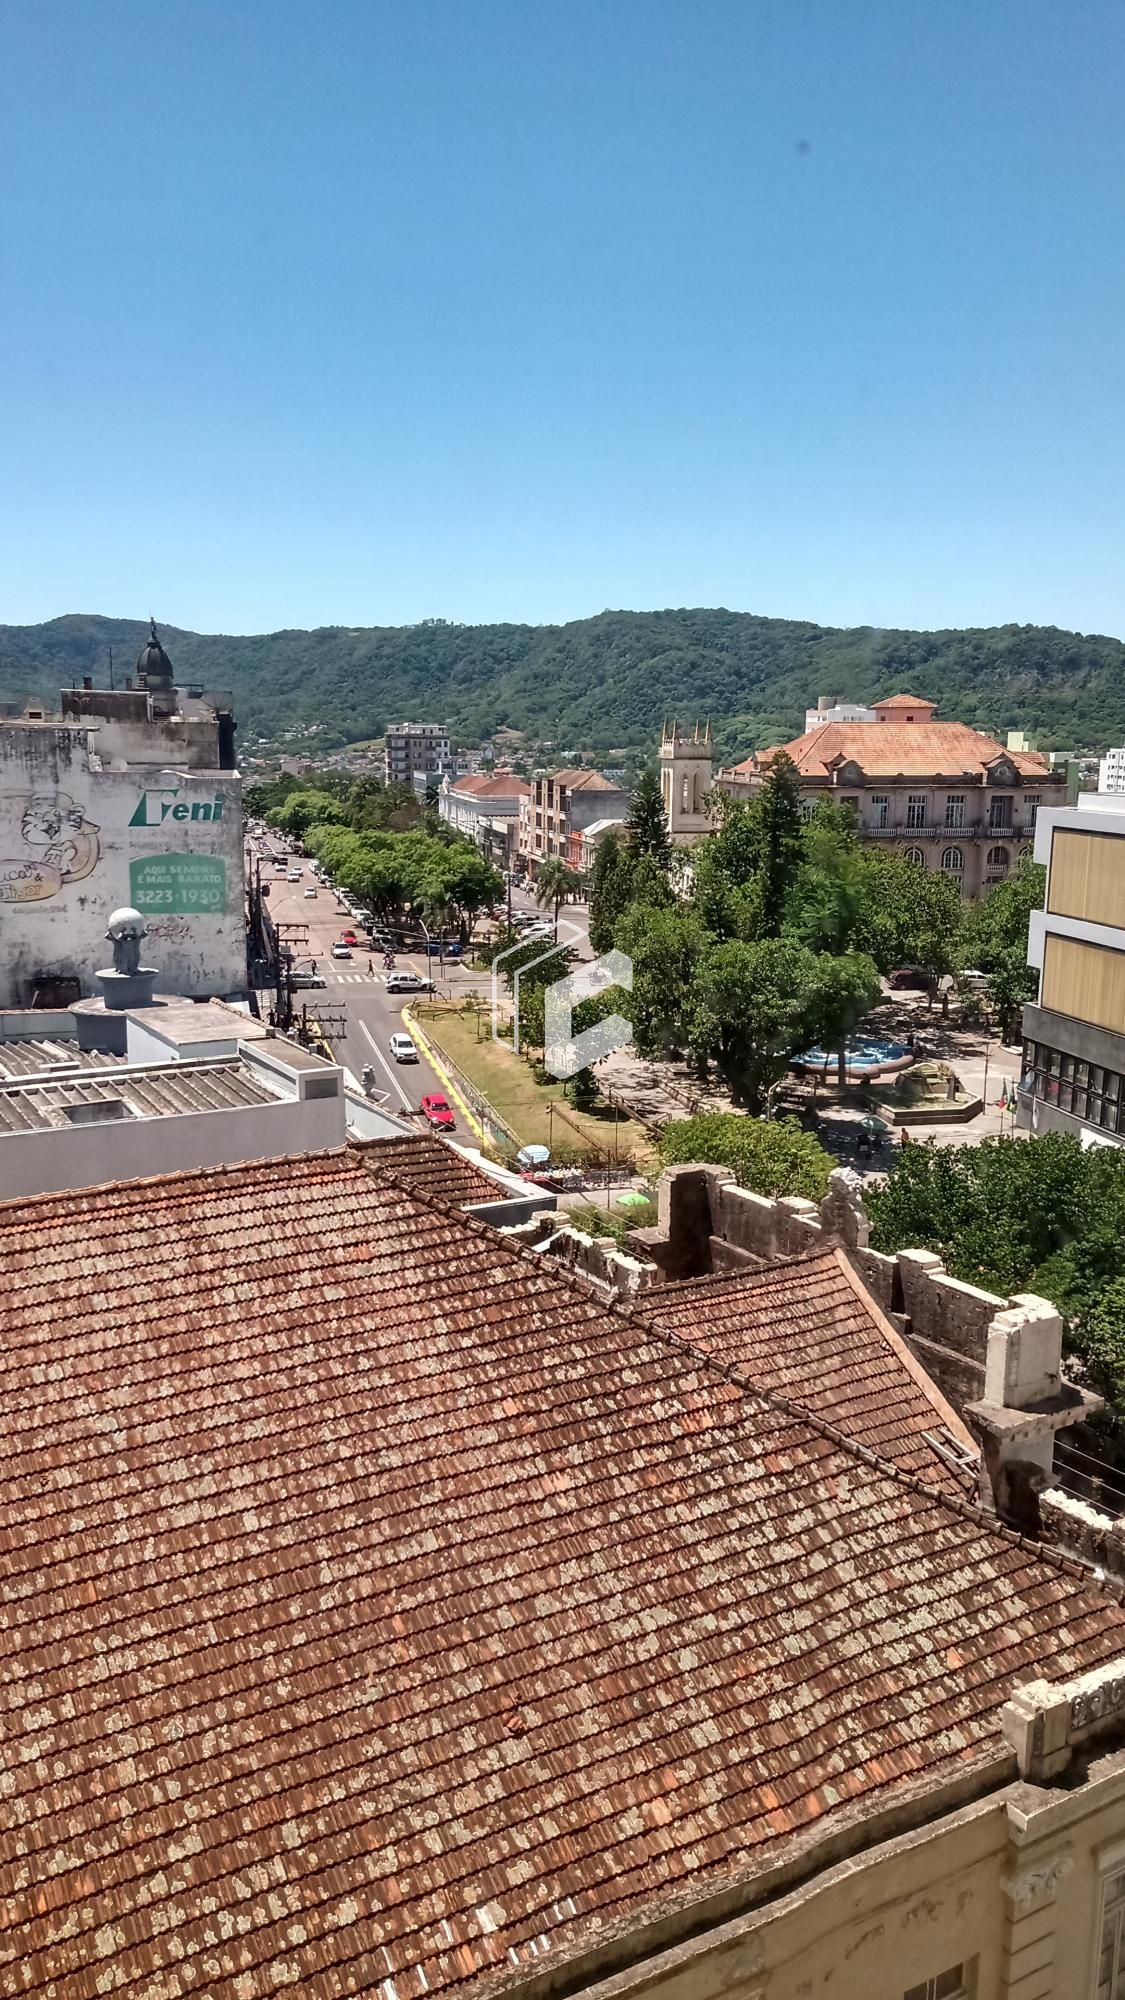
1030,1924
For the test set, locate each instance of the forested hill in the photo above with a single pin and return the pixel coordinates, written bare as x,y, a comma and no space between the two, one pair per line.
600,682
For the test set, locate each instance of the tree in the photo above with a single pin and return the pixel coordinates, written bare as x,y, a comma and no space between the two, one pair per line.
553,884
646,828
664,944
770,1157
909,915
996,941
304,809
777,815
826,904
1038,1215
755,1006
609,889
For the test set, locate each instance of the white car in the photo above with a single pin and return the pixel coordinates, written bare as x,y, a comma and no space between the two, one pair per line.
341,951
403,1049
294,875
408,982
310,891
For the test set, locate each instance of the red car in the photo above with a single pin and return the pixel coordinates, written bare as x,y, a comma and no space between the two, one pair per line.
437,1113
348,937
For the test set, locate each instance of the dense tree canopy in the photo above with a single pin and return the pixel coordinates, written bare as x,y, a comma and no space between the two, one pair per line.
769,1156
1036,1215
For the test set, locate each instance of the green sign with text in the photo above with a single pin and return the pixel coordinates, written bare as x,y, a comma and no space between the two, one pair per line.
178,885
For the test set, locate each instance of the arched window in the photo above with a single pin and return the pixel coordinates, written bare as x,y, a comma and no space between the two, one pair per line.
915,855
1026,851
952,860
997,860
684,796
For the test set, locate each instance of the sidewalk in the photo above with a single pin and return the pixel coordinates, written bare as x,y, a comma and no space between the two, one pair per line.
656,1092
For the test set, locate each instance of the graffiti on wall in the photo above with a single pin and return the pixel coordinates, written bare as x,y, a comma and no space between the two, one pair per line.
57,845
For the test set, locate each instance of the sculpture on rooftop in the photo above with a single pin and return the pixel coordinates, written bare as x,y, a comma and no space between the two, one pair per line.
126,933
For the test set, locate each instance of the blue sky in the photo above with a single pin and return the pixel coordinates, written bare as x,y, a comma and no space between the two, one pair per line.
334,313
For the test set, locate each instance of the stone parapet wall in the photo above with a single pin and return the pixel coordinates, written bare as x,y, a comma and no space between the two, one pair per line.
1084,1530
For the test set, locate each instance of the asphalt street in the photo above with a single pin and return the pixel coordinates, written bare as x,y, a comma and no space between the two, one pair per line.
370,1014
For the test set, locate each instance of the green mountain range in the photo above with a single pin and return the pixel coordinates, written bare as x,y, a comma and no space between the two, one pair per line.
602,682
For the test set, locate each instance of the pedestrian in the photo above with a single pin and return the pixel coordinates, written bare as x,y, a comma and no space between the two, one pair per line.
371,968
314,968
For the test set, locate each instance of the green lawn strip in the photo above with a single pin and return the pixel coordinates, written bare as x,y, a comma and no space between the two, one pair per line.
506,1080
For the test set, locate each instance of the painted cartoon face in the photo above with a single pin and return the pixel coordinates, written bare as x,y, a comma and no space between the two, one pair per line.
45,819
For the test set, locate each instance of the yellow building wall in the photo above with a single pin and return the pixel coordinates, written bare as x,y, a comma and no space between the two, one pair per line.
1087,877
1086,981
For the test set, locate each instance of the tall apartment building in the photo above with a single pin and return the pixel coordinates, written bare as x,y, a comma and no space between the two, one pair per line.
939,793
563,803
1074,1031
1111,771
125,796
416,750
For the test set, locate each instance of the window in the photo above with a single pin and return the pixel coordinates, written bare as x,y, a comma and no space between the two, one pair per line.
1000,812
950,1985
850,805
916,856
955,809
916,809
1110,1977
880,809
1031,810
998,861
952,860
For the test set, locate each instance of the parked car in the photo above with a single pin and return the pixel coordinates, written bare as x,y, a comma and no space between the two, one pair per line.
911,979
438,1113
302,977
341,950
403,1049
348,937
408,982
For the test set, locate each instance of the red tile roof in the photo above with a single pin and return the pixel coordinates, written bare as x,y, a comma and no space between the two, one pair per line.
434,1168
379,1611
810,1331
903,701
897,749
583,781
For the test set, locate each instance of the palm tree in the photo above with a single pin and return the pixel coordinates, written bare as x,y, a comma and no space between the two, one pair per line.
553,884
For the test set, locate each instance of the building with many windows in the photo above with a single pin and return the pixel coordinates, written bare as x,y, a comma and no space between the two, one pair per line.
1074,1031
1111,771
939,793
465,802
562,803
416,751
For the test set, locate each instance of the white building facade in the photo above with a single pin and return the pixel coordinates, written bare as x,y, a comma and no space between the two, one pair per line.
1111,771
81,836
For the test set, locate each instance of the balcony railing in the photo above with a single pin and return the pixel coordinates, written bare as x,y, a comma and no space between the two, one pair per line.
935,830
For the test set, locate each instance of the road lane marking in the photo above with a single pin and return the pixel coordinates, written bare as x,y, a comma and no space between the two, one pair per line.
443,1074
407,1106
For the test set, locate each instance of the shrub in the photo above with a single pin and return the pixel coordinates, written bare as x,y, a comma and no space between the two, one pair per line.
771,1158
